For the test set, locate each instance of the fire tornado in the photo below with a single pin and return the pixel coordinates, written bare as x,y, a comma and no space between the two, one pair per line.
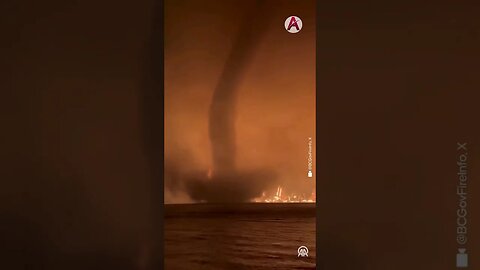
225,183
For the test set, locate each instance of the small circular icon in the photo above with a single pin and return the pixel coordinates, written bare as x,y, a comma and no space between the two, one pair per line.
461,239
293,24
302,251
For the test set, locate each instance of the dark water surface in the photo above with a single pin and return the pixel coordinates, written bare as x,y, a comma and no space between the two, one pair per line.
239,236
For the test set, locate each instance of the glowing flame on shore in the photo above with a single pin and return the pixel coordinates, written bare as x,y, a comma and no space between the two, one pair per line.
280,198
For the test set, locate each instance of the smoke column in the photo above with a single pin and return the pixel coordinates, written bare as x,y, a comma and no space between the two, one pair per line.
222,108
227,183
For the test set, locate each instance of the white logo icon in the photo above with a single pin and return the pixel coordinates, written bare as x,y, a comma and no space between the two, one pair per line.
302,251
293,24
310,174
462,258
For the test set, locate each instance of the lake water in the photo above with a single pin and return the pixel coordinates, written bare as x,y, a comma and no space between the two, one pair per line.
239,236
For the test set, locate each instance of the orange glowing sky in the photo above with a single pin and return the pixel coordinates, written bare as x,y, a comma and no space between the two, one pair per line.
276,95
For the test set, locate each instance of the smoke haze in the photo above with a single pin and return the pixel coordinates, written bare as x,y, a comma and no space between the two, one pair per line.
239,129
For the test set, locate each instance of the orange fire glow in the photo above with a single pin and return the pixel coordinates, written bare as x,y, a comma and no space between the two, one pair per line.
280,198
209,173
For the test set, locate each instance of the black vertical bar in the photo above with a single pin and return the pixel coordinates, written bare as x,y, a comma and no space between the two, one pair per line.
153,128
